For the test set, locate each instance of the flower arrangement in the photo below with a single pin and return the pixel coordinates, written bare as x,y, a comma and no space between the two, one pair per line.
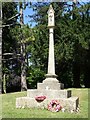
40,98
54,106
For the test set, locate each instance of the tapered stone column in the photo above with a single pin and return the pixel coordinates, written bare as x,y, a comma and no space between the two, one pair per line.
51,76
51,61
51,82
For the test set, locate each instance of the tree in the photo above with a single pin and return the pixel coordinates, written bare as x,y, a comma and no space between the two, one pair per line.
9,44
23,53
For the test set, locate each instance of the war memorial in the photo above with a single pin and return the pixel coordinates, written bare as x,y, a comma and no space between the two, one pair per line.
50,89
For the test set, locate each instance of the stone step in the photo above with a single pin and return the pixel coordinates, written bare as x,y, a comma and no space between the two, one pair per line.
32,93
69,104
50,86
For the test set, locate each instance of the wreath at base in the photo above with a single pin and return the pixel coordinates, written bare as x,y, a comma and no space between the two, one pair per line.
54,106
40,98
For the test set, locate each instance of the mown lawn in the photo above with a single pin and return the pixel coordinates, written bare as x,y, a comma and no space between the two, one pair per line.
9,110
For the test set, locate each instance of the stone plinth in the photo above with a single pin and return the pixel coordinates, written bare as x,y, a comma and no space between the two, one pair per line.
50,86
32,93
67,103
65,98
50,83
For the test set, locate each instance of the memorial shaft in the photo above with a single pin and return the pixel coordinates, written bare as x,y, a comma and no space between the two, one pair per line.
51,61
51,24
51,76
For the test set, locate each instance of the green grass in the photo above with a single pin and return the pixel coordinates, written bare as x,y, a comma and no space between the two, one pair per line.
9,110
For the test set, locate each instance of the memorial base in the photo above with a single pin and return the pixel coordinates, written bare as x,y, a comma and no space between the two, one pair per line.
69,104
52,90
32,93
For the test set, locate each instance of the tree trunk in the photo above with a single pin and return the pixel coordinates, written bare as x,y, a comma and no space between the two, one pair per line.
4,83
23,54
0,48
23,69
0,60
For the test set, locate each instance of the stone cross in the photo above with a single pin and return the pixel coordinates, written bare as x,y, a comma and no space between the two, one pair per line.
51,61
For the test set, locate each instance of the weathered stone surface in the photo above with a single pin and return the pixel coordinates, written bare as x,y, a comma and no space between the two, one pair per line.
50,86
49,93
27,102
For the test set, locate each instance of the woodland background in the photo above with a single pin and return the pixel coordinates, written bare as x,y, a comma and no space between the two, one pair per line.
25,48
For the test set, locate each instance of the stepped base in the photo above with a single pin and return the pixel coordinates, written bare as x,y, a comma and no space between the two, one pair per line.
32,93
50,84
69,104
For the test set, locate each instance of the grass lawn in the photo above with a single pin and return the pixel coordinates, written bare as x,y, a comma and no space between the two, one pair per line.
9,110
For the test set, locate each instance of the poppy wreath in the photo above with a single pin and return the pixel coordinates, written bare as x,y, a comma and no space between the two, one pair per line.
40,98
54,106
